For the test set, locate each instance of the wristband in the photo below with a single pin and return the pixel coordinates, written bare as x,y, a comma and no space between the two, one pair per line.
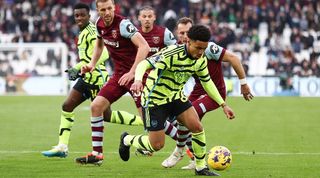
223,105
243,81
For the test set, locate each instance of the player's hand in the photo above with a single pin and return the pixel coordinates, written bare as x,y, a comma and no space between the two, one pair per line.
136,88
228,112
73,73
126,78
87,68
245,91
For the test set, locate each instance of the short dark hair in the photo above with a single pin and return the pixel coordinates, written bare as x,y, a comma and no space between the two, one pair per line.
81,6
185,20
199,33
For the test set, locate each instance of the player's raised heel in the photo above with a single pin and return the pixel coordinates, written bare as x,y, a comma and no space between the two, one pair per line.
124,151
56,151
90,159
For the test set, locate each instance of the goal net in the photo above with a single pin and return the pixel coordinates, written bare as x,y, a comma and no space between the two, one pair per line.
33,68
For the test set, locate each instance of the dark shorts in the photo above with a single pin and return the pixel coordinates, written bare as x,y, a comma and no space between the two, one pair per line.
202,102
112,91
87,90
154,117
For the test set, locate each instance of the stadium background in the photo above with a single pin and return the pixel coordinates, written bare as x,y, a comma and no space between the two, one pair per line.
278,41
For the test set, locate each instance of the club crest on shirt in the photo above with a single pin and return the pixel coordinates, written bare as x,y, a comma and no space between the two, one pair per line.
156,39
114,34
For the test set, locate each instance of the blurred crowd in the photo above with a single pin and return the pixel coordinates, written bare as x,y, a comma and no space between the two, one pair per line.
285,32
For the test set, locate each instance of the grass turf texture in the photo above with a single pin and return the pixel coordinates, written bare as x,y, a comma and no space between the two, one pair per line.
270,137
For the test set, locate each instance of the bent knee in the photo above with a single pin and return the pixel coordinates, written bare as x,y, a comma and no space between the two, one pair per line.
196,128
67,107
157,146
96,107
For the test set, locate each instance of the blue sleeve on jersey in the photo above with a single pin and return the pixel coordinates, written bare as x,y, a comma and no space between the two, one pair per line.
169,38
213,51
127,29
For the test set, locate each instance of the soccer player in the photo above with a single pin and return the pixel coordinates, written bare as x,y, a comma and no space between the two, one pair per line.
86,87
201,101
157,37
127,48
163,96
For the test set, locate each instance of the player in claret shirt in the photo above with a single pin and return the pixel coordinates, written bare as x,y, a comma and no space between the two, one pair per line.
157,36
87,86
127,48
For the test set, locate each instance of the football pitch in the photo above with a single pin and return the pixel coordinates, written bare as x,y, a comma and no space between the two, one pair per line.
270,137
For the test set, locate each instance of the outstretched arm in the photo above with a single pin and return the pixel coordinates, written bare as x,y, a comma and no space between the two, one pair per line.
143,50
137,86
237,66
212,91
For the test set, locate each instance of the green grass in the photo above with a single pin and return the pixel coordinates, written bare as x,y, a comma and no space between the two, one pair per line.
284,134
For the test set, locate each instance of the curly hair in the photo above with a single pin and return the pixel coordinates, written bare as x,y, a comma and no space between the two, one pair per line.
199,33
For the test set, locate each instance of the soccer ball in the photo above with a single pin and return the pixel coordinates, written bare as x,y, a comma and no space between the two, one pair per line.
219,158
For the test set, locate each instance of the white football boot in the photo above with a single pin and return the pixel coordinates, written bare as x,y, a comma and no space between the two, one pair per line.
191,165
174,158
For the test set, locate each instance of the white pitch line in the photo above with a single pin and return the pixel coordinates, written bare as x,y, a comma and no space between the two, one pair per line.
234,153
272,153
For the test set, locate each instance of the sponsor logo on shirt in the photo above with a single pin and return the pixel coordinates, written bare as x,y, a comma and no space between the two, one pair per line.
111,43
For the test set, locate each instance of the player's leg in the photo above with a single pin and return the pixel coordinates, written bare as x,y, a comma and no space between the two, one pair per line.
191,120
181,133
123,117
177,155
202,105
126,118
171,129
154,118
74,99
100,105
